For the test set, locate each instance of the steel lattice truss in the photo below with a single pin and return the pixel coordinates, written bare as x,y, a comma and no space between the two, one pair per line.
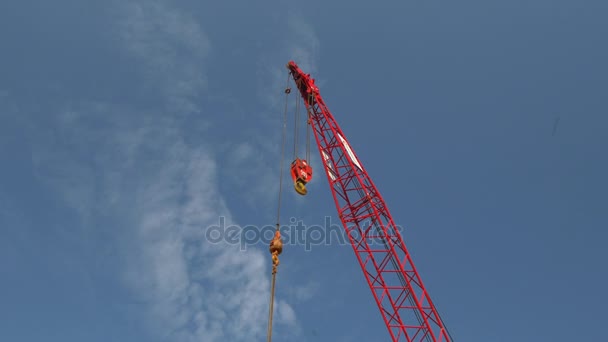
404,303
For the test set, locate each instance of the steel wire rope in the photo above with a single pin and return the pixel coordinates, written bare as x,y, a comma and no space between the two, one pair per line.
283,142
308,124
296,128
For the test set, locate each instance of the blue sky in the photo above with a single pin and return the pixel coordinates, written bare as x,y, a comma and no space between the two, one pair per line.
128,128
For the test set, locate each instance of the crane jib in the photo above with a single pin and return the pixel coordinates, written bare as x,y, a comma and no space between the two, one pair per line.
404,303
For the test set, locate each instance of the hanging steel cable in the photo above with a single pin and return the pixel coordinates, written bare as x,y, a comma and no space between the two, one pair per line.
276,245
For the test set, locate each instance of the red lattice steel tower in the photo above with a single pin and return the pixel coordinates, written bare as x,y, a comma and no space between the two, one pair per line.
404,303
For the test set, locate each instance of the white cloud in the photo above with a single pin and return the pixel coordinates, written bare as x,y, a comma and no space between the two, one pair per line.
172,47
285,313
262,154
305,292
166,191
255,163
303,44
134,165
198,291
254,173
212,290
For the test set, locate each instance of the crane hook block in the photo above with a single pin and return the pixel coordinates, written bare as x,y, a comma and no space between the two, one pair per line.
276,244
301,173
276,247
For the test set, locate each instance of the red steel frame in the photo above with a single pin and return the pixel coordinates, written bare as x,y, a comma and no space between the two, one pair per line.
404,303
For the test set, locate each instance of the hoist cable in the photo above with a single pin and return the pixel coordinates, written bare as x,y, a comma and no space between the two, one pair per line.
274,279
274,275
308,124
287,91
296,128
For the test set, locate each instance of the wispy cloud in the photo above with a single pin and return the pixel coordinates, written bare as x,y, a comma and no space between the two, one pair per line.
303,44
304,292
254,172
196,290
166,191
255,161
133,163
172,48
300,43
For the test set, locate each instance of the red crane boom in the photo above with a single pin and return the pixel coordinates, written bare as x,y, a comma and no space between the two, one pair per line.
404,303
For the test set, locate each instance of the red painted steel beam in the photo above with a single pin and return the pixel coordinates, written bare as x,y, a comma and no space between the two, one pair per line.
404,303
